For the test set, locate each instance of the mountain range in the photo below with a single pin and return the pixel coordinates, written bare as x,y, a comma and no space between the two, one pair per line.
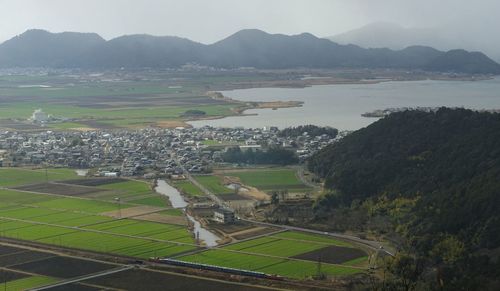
246,48
469,36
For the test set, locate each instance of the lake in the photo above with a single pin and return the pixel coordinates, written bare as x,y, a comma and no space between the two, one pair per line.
341,106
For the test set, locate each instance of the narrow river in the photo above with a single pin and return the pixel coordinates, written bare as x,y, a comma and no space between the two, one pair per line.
178,201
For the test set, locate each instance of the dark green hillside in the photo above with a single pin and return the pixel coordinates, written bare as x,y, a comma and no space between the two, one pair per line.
435,175
246,48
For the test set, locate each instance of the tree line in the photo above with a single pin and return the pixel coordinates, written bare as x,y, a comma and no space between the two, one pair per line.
431,178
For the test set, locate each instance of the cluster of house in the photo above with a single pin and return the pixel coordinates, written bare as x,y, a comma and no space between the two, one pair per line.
147,151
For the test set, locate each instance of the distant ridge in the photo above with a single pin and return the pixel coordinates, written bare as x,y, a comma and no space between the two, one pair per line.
246,48
386,34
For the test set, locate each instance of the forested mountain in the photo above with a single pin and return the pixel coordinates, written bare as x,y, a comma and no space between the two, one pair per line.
455,34
142,51
436,176
39,48
246,48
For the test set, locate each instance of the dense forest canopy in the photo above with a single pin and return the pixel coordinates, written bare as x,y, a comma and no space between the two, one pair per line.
274,155
443,168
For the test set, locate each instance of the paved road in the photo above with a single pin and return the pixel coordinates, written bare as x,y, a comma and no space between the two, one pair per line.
86,277
207,192
374,245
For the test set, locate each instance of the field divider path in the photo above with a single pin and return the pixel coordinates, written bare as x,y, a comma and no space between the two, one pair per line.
200,250
85,277
253,237
73,185
28,261
302,178
99,231
52,194
18,271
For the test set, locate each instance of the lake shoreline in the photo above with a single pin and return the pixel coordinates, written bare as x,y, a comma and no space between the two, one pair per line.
342,105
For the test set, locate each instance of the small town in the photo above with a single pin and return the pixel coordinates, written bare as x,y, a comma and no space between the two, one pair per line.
146,152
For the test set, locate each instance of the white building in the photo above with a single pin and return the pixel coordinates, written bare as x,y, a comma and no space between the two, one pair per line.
223,215
39,116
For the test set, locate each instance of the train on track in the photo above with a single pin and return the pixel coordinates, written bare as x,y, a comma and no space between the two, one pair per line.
217,269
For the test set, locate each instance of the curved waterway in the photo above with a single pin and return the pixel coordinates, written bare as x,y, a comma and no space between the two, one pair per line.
178,201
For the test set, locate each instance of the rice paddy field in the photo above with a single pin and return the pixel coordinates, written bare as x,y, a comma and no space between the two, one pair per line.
64,182
95,221
23,268
111,101
21,176
91,223
28,283
214,184
188,188
270,179
279,255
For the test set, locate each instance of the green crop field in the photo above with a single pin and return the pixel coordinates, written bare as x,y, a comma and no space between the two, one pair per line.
17,197
132,191
28,283
76,204
120,116
275,254
313,238
160,231
128,189
287,244
157,201
132,241
270,179
79,223
188,188
20,176
214,184
275,247
99,102
131,186
269,265
172,212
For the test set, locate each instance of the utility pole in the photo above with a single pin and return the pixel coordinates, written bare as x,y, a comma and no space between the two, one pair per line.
319,274
117,199
46,174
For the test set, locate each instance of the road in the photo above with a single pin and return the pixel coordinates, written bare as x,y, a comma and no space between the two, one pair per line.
207,192
374,245
87,277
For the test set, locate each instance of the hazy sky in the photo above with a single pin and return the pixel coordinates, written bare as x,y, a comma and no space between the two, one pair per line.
210,20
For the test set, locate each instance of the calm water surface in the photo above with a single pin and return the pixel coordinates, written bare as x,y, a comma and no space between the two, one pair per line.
341,106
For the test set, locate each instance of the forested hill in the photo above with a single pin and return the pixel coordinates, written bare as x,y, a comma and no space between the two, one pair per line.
437,175
246,48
